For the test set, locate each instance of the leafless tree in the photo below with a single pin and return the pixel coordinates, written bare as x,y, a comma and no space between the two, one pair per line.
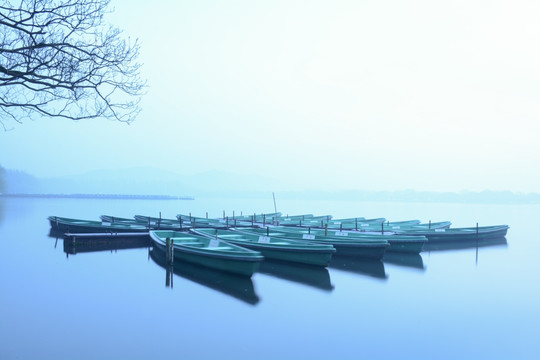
58,58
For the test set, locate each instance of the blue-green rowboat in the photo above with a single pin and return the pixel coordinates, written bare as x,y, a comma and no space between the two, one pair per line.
212,253
372,249
275,248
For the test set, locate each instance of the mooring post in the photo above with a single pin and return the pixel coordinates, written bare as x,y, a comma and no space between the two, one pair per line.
429,224
267,231
189,216
309,230
172,251
233,214
223,214
227,222
326,230
168,249
340,227
207,214
159,221
180,220
382,228
264,219
356,224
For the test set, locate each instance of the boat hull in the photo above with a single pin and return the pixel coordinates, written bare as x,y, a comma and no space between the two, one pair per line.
309,257
235,266
238,261
83,226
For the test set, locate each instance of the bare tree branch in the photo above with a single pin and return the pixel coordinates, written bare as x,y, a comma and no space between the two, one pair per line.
58,58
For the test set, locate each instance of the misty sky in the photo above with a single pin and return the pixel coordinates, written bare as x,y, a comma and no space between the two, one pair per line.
390,95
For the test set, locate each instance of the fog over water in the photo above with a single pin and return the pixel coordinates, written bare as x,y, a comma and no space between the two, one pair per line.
318,95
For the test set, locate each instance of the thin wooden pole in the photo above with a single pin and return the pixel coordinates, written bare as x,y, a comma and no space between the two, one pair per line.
275,208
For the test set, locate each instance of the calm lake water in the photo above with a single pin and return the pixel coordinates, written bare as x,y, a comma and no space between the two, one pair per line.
75,303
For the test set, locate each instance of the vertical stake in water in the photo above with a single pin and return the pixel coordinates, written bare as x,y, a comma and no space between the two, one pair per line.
325,229
207,214
275,208
172,251
356,224
429,224
223,214
168,248
382,228
476,243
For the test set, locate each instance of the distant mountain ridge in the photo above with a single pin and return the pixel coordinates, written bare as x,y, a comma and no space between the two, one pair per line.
153,181
143,180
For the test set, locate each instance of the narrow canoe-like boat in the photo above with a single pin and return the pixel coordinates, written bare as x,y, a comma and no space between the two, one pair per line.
378,227
116,219
398,243
158,223
325,222
456,234
200,222
276,248
372,249
212,253
62,224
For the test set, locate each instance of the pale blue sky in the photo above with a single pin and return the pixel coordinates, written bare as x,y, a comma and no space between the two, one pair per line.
390,95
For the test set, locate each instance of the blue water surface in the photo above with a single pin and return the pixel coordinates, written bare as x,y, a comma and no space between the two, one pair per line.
469,303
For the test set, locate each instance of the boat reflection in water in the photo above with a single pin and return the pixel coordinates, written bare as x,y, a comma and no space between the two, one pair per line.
74,245
468,244
239,287
370,267
404,259
316,276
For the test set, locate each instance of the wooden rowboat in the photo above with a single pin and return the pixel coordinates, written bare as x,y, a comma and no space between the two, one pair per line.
373,249
398,243
212,253
275,248
457,234
63,225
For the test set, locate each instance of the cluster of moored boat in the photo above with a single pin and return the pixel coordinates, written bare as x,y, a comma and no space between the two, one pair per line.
240,243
